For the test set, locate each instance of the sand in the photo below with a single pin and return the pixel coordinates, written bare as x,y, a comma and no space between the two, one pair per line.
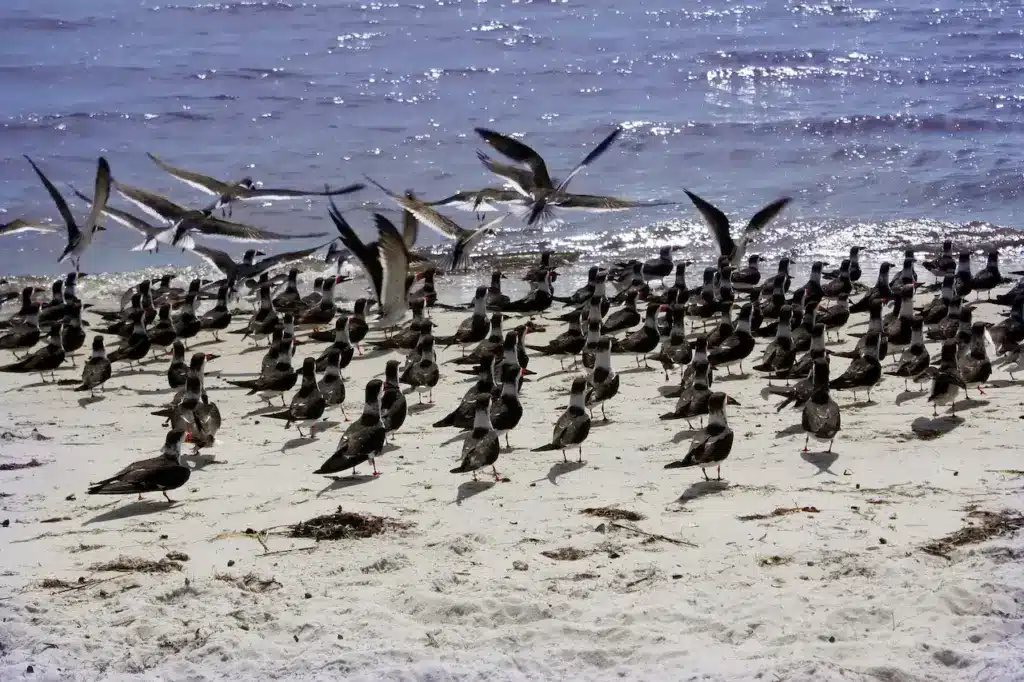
828,581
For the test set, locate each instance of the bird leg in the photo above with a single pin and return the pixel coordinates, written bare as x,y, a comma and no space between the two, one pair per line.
299,428
830,444
344,413
507,444
704,471
602,412
373,462
169,500
564,457
497,476
580,459
719,473
807,439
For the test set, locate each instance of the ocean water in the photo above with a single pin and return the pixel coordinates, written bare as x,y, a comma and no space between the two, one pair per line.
888,121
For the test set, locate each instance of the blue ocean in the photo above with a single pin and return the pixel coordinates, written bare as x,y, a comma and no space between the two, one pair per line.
889,121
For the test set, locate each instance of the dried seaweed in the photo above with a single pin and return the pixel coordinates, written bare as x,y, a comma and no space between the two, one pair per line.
250,582
343,525
17,466
124,564
566,554
779,511
614,513
989,525
774,560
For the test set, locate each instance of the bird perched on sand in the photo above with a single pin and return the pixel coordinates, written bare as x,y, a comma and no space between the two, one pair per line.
573,426
713,444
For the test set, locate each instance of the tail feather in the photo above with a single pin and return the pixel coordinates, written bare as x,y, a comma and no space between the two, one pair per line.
546,448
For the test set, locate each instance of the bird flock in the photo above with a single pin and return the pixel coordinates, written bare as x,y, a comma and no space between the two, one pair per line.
643,311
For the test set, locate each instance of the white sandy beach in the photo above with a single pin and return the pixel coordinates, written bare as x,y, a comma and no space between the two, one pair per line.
838,591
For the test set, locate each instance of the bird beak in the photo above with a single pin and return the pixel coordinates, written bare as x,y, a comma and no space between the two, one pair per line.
210,356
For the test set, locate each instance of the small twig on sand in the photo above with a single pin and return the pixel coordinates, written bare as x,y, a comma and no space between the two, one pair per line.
286,551
85,585
640,580
656,536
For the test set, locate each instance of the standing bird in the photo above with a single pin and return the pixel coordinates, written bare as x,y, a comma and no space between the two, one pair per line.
946,379
364,438
96,370
332,385
45,359
915,358
864,372
713,444
973,363
602,382
393,406
482,446
718,222
423,374
158,474
573,427
307,404
217,318
79,239
821,417
643,340
136,346
505,410
474,328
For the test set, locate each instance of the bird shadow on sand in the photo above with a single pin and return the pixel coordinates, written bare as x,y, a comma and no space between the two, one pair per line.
135,373
731,377
137,508
790,431
471,489
297,443
928,428
420,407
90,399
970,404
685,434
637,370
150,391
860,404
904,396
703,489
1004,383
343,482
252,349
200,462
823,460
205,343
563,468
671,391
267,409
461,435
556,373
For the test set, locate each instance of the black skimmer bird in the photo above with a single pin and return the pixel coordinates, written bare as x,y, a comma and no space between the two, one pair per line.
915,358
364,438
495,299
864,372
536,301
308,403
602,381
988,277
643,340
158,474
19,225
964,278
573,427
747,280
821,416
935,310
713,444
973,363
718,222
481,447
625,317
737,346
423,374
79,238
332,384
474,328
945,264
392,401
568,343
136,346
881,292
946,379
217,318
540,191
246,189
96,369
279,380
779,355
506,410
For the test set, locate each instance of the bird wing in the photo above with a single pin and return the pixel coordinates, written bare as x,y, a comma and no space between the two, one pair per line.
244,194
18,225
410,225
225,229
459,257
717,222
153,204
595,203
282,259
121,217
394,260
62,205
517,151
203,183
590,158
217,259
101,194
368,257
758,222
443,225
520,179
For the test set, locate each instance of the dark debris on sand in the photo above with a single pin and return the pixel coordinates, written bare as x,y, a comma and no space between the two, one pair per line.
984,526
18,466
614,513
125,564
565,554
343,525
250,582
779,511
